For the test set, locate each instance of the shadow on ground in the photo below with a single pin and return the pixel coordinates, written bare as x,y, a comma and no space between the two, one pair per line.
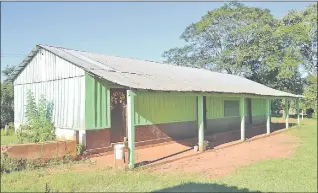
227,137
199,187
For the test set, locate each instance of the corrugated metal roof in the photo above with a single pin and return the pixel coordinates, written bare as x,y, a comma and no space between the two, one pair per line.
148,75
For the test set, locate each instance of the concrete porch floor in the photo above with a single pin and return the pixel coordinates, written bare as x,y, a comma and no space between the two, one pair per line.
172,151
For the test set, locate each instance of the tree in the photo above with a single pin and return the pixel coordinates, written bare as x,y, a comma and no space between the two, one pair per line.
309,48
39,126
8,70
6,103
241,40
310,94
7,95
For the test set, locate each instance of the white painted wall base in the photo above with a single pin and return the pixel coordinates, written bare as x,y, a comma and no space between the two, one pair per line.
64,134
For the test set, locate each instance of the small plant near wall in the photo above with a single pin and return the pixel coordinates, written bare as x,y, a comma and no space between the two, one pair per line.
39,126
80,149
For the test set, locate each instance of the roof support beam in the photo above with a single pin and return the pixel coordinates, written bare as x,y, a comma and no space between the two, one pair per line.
242,114
200,124
181,93
131,128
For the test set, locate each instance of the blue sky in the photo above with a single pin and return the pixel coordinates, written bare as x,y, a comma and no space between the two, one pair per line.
137,29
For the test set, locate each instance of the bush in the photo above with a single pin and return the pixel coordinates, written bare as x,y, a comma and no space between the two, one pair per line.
38,127
9,131
9,165
80,149
6,103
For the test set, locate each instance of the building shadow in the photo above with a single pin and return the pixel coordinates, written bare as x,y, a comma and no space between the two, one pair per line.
200,187
217,139
161,158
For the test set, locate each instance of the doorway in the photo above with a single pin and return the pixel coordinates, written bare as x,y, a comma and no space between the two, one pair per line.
118,101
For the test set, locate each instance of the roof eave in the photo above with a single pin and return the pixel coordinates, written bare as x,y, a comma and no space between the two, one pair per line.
18,69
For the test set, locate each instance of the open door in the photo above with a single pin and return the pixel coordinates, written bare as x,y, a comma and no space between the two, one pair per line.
118,101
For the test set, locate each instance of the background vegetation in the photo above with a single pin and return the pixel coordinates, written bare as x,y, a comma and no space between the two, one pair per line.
250,42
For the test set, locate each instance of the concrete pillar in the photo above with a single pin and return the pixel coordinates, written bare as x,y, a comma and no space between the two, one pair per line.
242,114
286,113
200,124
268,116
131,128
82,137
297,111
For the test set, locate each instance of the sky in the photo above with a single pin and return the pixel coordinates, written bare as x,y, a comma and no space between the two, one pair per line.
141,30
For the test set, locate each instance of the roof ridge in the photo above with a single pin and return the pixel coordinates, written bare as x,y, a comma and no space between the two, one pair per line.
102,54
132,58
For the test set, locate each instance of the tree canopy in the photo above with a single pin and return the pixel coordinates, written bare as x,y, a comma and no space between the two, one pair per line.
250,42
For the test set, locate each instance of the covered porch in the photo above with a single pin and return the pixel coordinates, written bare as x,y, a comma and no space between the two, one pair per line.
242,132
173,151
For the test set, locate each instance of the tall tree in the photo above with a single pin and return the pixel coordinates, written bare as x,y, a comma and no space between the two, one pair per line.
310,93
310,47
8,70
246,41
7,99
6,103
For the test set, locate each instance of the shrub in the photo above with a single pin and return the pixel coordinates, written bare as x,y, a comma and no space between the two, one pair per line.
80,149
38,127
9,131
8,165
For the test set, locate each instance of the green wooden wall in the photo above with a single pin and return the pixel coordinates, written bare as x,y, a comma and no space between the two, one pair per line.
258,107
215,106
97,103
157,109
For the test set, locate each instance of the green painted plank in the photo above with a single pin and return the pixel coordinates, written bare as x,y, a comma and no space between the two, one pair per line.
97,103
164,109
258,107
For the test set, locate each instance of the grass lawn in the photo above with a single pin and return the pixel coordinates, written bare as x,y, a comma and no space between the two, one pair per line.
295,174
8,139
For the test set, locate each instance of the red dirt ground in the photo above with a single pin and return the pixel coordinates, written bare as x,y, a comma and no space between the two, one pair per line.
212,163
220,162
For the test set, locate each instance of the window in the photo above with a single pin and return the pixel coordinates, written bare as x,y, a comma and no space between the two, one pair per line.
231,108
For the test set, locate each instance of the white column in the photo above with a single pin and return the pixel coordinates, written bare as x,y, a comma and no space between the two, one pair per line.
297,111
82,137
242,114
200,124
286,113
268,116
131,128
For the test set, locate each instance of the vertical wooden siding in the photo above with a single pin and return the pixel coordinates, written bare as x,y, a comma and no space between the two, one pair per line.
97,108
60,82
215,106
164,109
258,107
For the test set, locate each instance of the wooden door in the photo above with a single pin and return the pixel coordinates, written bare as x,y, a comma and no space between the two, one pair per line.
118,101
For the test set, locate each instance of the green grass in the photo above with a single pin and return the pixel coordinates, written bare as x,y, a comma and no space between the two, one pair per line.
293,120
298,173
8,139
